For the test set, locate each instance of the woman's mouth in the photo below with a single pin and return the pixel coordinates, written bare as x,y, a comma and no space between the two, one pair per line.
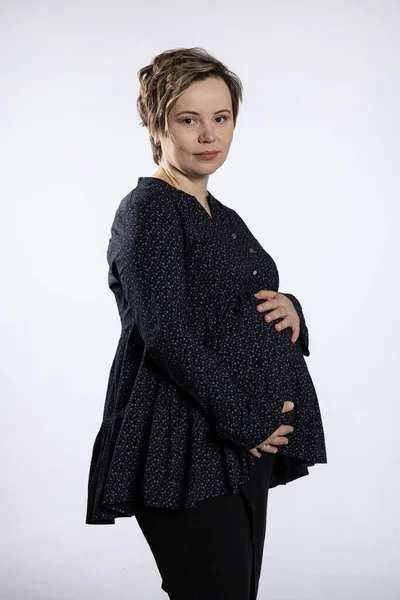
207,155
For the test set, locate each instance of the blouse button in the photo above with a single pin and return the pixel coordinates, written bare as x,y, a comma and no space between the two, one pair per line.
233,235
255,272
251,249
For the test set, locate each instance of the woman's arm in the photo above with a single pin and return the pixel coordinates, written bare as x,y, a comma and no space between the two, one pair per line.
148,252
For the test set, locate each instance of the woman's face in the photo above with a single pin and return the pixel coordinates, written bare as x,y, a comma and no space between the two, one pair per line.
209,129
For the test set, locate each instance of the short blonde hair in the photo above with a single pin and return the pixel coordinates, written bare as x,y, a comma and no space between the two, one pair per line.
168,76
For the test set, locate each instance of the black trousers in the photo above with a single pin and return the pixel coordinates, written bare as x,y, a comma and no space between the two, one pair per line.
213,550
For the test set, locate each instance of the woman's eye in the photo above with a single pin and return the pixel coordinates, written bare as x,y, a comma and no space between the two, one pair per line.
190,119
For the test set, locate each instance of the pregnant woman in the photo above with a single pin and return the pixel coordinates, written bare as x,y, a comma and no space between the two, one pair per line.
197,425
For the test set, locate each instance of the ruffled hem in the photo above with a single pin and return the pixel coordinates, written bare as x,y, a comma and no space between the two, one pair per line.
154,443
167,474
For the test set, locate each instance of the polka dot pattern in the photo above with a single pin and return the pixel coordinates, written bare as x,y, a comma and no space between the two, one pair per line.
198,376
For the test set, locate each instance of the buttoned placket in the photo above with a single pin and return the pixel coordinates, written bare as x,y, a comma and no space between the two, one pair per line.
234,236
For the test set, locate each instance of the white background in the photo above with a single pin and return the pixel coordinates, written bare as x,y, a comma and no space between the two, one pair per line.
313,170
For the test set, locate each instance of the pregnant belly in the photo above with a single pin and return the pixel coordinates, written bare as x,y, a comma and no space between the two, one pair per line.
253,350
263,362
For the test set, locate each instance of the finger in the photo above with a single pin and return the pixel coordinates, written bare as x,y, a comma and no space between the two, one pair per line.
254,452
277,313
267,305
268,448
272,449
268,294
296,332
276,441
287,406
279,440
287,322
282,430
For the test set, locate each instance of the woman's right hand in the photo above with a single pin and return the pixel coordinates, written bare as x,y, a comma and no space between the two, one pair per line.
277,438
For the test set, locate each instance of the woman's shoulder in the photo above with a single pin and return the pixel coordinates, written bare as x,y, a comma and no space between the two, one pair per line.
147,202
149,191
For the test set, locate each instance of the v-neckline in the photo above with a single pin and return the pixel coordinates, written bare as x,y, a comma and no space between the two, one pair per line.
204,210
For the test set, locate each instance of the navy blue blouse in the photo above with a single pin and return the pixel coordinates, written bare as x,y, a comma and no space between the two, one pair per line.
199,377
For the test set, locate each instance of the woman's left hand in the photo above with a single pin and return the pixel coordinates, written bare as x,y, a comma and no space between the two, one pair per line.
281,306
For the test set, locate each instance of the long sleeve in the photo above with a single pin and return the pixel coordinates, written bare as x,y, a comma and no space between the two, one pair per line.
149,251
